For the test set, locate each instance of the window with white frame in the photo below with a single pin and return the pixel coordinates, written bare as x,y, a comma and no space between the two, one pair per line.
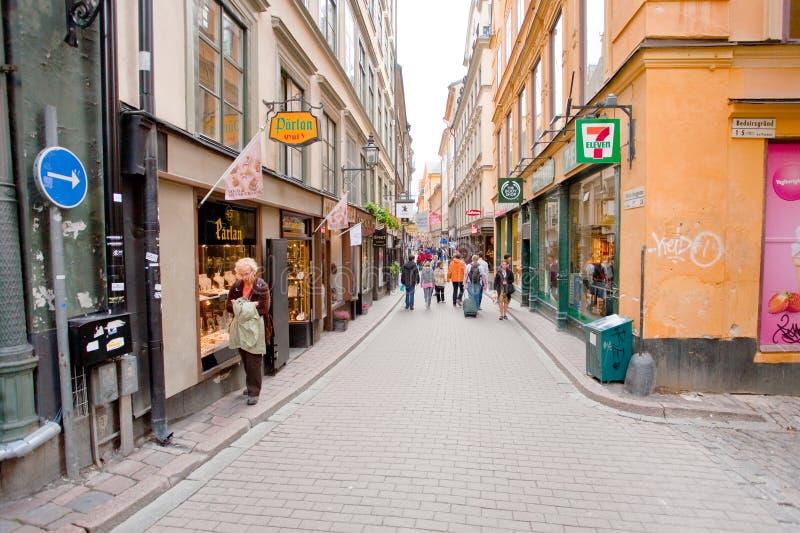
349,42
499,65
522,111
362,73
593,44
327,134
509,143
292,158
328,22
499,154
536,106
520,13
379,125
371,97
557,68
220,75
508,36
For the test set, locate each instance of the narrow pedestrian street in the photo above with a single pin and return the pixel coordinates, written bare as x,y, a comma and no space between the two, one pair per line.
440,423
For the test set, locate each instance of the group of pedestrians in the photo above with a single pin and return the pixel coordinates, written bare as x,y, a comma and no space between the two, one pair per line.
473,277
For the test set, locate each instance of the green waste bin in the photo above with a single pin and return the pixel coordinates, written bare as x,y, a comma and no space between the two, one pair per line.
609,346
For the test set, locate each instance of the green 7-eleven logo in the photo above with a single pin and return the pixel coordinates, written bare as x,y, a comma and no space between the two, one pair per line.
597,140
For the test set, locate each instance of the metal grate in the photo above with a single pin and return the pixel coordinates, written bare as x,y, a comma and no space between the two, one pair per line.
80,397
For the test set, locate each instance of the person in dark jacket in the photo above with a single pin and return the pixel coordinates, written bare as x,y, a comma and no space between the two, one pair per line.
504,285
255,289
410,278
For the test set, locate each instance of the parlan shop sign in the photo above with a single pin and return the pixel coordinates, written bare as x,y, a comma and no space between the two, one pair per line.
297,128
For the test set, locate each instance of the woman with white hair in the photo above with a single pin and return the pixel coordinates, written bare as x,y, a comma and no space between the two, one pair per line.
249,301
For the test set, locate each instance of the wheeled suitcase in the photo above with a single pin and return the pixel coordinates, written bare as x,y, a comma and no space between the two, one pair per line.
470,308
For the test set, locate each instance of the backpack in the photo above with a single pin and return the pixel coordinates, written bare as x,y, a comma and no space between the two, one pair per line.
474,275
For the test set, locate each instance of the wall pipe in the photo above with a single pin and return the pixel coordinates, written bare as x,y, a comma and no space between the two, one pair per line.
155,343
22,447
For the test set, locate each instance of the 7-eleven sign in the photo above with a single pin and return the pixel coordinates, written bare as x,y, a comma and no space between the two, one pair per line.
597,140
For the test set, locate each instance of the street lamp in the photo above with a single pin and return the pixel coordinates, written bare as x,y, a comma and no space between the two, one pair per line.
370,151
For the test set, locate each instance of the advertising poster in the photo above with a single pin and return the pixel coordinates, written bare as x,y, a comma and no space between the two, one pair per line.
243,178
780,285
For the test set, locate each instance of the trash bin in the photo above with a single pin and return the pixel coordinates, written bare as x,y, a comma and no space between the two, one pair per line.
609,346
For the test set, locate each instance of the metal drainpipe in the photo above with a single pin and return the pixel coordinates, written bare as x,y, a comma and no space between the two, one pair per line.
17,362
158,418
115,261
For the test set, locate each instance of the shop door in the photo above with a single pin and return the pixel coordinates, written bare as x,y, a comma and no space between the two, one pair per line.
275,276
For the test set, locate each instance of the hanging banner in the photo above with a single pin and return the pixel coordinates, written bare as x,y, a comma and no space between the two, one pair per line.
243,177
780,279
355,235
509,190
598,140
296,128
337,218
435,219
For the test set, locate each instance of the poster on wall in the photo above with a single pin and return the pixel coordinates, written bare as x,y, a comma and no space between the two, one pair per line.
780,279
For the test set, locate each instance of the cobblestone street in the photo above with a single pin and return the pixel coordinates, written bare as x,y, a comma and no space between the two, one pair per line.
437,422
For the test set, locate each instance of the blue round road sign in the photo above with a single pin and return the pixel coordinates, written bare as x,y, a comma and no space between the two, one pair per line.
60,177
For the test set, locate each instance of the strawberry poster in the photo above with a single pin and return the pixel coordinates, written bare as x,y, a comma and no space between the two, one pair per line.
780,285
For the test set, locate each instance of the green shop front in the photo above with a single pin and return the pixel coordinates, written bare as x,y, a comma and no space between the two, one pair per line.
568,240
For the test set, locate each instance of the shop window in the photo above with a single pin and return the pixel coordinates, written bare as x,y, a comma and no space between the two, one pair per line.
592,243
593,44
516,250
220,75
298,267
328,22
226,234
548,250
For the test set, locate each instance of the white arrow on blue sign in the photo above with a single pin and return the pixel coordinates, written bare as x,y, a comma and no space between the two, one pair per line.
60,177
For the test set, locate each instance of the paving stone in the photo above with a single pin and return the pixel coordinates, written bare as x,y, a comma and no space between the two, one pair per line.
45,514
115,485
8,525
89,500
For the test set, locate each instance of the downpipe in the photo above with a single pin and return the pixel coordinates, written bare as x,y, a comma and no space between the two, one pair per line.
22,447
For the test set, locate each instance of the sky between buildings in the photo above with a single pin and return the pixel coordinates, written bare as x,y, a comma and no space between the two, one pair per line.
430,48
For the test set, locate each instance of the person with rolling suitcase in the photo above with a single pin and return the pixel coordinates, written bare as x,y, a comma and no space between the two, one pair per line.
475,281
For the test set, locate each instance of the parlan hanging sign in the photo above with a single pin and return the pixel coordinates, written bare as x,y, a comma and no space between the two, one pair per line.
296,128
597,140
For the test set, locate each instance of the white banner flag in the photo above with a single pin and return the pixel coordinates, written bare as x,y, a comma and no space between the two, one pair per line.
355,235
337,218
243,179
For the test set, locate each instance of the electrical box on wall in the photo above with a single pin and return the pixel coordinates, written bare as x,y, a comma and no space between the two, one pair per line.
128,375
94,339
104,384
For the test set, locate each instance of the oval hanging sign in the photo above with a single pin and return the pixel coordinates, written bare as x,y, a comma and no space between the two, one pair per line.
296,128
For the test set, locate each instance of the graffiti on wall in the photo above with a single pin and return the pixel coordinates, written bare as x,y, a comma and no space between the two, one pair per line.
703,250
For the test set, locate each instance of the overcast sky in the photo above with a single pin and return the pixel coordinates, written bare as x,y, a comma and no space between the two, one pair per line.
430,48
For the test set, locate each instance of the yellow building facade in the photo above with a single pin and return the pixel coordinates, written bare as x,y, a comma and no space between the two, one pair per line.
705,192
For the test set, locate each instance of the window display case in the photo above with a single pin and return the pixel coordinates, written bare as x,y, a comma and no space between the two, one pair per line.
226,233
297,276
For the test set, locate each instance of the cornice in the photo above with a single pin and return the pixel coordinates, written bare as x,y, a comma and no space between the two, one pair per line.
329,92
293,47
259,6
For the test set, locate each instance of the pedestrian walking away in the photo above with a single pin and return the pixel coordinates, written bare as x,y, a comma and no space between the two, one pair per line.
426,279
439,281
248,301
455,274
504,286
410,278
475,281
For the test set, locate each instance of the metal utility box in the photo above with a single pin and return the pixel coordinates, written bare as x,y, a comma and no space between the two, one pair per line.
94,339
104,384
128,373
609,346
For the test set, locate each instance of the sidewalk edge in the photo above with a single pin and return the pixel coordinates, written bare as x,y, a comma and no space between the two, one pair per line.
645,408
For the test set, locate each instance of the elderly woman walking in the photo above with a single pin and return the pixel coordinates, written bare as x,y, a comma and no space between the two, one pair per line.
251,329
